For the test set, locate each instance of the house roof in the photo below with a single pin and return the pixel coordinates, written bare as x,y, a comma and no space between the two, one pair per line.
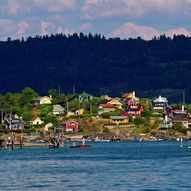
129,95
58,108
118,117
84,94
115,101
104,102
179,119
41,97
69,121
160,99
35,117
107,105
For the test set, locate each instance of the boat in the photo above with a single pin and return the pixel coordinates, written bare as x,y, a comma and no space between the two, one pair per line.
80,146
83,146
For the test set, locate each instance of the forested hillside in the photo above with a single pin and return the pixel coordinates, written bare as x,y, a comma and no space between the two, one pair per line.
97,65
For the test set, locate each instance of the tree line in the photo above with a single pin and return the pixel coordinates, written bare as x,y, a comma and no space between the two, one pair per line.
97,65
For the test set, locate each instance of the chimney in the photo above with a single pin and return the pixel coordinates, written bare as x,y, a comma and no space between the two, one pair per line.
50,96
183,108
133,94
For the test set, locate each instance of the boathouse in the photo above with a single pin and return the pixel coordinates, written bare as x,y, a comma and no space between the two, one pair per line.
69,126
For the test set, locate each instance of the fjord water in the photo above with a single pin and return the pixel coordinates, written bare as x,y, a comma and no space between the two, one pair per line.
106,166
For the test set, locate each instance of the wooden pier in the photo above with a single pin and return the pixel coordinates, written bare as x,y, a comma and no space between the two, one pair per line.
11,143
56,138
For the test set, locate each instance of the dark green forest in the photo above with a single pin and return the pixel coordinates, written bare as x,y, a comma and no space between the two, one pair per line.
97,65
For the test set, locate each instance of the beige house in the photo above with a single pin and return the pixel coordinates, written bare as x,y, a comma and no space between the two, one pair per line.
115,103
119,119
36,121
104,108
43,100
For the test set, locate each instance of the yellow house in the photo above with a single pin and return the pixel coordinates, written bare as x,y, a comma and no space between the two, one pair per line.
119,119
115,103
43,100
48,126
36,121
76,112
79,111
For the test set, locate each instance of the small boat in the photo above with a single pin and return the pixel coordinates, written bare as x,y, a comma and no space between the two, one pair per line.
83,146
80,146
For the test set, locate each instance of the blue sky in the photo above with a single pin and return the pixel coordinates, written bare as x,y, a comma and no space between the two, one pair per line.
112,18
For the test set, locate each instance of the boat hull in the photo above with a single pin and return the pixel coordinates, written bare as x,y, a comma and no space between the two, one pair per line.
80,146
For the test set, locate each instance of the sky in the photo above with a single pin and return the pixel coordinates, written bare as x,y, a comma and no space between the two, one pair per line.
111,18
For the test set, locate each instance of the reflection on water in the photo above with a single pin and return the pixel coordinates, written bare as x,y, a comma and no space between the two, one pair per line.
106,166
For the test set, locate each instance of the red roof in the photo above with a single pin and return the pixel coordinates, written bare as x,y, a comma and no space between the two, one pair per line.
107,105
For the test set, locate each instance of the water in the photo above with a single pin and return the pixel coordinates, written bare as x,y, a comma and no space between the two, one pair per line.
106,166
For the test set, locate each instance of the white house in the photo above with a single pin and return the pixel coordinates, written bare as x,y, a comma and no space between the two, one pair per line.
58,110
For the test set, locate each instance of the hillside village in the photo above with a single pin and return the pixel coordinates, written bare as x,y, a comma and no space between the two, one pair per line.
121,117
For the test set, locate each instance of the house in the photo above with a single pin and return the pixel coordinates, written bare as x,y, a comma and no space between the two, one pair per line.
172,121
79,111
48,126
115,103
159,104
129,96
36,121
182,121
58,110
69,126
134,110
76,112
104,108
176,111
13,124
118,119
106,97
43,100
85,97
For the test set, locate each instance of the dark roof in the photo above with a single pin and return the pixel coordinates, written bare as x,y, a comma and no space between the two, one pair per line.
103,102
69,121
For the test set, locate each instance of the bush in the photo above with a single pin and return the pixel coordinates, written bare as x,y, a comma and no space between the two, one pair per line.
180,128
139,120
106,130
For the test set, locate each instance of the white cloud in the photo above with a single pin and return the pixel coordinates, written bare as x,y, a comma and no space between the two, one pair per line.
14,7
130,30
55,5
177,31
134,8
85,26
22,28
18,7
65,30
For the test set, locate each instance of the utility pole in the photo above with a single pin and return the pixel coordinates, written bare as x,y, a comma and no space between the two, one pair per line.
58,90
1,116
90,108
183,97
67,105
73,90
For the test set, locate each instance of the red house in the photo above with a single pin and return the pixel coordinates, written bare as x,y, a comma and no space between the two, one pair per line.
69,126
134,111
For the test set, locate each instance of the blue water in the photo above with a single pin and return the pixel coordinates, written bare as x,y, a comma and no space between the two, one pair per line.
106,166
